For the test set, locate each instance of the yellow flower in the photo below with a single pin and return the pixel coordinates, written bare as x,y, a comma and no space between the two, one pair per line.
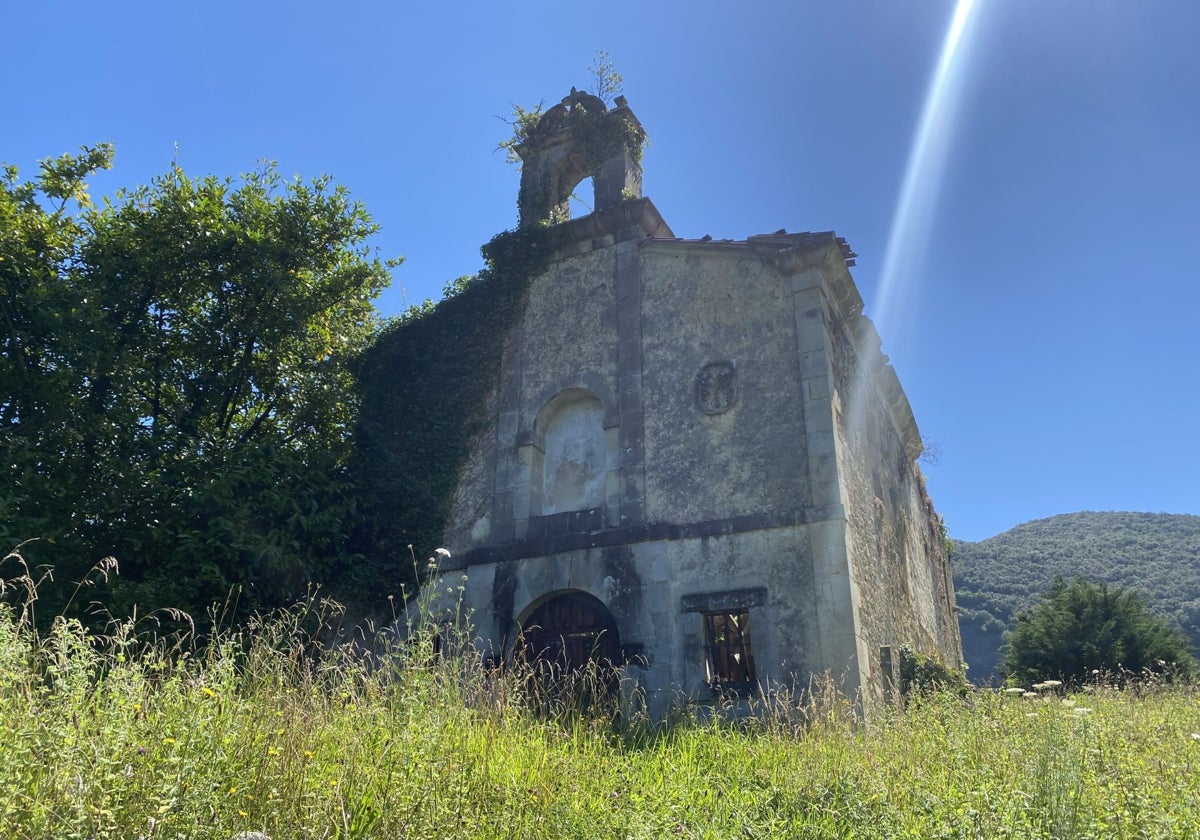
208,692
168,740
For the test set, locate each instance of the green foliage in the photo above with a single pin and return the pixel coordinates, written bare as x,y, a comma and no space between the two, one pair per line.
522,121
926,675
995,579
177,383
607,83
425,386
1081,629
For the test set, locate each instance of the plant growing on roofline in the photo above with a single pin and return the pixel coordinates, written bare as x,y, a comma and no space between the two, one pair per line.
606,84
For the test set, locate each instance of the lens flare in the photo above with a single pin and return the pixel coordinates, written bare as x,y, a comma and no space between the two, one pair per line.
915,206
923,174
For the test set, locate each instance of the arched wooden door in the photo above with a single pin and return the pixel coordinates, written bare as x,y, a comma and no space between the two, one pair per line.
570,631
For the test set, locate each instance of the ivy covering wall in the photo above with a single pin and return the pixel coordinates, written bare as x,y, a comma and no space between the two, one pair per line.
424,388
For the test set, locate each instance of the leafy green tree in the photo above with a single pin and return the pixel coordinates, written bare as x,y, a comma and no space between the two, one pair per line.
1081,627
42,331
178,380
997,578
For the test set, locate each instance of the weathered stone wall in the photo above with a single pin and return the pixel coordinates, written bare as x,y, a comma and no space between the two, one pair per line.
697,402
569,330
704,304
565,339
895,539
647,586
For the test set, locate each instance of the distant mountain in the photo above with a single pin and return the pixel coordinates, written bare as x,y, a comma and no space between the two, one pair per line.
1155,553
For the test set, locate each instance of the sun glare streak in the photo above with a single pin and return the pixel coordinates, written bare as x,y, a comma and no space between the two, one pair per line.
917,201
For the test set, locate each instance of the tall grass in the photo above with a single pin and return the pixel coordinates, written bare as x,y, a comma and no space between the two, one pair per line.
125,736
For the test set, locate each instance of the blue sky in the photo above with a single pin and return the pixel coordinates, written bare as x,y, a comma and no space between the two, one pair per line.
1041,311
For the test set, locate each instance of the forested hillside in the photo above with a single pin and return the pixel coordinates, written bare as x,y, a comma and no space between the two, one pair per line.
1155,553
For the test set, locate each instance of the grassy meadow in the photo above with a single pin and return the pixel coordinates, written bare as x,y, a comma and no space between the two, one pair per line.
109,736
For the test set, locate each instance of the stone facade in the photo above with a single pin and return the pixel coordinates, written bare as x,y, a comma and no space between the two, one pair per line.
697,446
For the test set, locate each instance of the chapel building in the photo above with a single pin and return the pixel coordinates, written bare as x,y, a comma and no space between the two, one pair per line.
696,464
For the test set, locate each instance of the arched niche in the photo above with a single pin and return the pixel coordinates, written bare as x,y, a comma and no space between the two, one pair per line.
572,450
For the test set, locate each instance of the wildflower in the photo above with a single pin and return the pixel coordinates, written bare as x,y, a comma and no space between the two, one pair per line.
168,741
208,692
1031,714
1068,702
1082,710
1014,691
1196,736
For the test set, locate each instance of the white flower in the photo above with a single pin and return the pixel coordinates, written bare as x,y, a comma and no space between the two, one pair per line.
1082,710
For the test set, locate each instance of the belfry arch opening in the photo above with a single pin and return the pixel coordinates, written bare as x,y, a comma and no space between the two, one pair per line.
582,199
570,188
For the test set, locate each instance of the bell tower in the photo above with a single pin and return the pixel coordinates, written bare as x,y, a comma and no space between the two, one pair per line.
576,139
